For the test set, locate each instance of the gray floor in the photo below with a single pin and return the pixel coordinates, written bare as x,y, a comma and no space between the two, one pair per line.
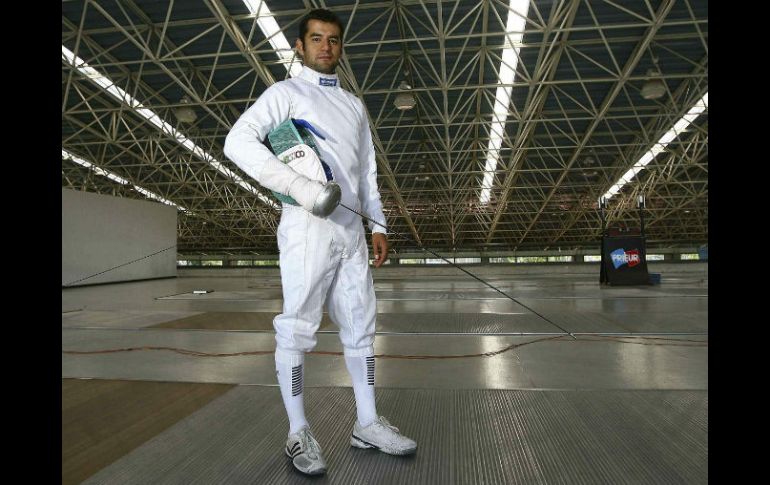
499,395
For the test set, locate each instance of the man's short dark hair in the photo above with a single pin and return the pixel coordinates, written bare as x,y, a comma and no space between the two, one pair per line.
324,16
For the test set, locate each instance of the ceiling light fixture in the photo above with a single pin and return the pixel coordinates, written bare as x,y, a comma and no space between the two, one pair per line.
653,88
405,99
185,113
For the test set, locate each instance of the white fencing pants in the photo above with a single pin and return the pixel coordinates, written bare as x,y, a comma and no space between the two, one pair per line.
323,263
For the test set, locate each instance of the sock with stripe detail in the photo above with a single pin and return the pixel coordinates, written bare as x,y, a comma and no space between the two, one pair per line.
290,380
361,371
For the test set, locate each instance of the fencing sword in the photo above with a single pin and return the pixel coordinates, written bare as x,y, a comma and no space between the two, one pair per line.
409,238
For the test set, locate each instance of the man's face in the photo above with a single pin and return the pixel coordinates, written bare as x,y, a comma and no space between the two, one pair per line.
322,46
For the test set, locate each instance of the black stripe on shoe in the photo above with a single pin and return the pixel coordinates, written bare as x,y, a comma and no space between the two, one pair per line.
292,454
366,442
294,448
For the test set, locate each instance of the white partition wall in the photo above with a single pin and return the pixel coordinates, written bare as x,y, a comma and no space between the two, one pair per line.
100,232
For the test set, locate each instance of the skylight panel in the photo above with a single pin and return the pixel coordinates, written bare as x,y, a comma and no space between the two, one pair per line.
678,128
105,83
272,31
116,178
515,23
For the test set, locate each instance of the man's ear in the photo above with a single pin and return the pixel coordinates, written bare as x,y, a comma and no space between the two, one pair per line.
298,45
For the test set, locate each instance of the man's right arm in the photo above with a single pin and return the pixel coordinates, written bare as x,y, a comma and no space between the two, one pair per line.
243,144
244,147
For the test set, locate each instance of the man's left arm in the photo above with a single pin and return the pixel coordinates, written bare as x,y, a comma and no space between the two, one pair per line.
370,196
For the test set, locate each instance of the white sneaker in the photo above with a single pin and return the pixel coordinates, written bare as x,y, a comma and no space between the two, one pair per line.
305,452
383,436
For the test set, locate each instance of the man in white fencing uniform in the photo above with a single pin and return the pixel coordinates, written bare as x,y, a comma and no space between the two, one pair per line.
323,251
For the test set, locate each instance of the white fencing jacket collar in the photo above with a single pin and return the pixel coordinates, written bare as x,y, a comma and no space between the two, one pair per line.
327,80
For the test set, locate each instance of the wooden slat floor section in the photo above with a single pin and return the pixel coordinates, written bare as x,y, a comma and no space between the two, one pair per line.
103,420
464,436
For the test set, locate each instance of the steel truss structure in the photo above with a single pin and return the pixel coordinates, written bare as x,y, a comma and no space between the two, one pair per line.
577,120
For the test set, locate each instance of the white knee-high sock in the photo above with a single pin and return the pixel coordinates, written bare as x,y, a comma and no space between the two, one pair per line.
290,380
361,371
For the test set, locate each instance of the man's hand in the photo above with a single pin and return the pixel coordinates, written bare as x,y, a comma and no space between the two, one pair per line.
315,197
379,248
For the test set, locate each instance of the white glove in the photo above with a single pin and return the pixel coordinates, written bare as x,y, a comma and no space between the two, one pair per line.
313,196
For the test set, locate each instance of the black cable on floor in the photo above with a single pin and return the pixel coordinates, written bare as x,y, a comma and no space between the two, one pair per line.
116,267
461,269
661,342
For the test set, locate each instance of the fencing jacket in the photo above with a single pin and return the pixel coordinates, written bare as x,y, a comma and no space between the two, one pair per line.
338,116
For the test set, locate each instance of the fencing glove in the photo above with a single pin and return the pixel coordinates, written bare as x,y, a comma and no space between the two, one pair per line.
313,196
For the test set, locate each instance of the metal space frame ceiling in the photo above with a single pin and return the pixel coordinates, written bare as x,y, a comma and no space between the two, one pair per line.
577,120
